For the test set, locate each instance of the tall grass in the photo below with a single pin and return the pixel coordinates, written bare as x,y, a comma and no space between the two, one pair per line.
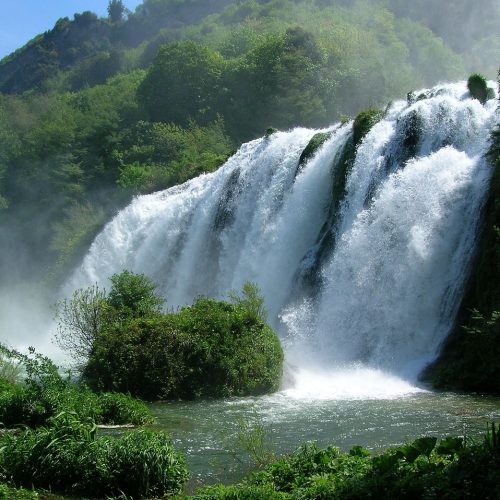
66,456
44,393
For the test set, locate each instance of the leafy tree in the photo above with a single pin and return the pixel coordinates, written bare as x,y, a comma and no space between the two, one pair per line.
280,82
80,320
210,349
183,82
116,10
251,300
133,295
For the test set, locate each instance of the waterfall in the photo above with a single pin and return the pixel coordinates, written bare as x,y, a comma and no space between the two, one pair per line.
361,254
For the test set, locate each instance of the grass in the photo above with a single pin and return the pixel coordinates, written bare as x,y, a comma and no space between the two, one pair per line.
66,456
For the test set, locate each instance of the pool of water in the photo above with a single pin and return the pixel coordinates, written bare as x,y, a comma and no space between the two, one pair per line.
207,431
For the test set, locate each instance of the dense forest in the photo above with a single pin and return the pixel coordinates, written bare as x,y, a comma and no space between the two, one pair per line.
97,110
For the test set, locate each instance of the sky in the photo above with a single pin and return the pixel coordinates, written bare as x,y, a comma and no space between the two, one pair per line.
21,20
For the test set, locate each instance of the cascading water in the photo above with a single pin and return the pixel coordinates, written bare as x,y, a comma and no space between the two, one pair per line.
362,282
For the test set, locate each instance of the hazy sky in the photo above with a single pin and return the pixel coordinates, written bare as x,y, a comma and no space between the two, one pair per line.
21,20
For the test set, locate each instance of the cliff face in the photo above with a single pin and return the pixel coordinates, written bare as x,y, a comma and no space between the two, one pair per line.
470,359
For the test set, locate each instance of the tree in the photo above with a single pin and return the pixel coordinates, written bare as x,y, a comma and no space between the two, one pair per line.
80,319
280,81
90,311
116,10
133,295
209,349
183,82
251,300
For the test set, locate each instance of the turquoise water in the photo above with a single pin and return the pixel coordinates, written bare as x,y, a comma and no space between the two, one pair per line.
207,431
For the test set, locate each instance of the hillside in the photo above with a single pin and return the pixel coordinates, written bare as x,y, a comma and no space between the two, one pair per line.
92,49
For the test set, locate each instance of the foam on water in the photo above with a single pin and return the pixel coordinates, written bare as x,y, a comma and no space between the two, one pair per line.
355,382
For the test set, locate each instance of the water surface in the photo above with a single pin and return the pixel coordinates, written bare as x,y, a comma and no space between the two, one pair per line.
207,431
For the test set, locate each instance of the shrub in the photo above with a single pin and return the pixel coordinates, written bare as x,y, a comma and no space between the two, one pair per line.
478,87
10,493
66,456
32,407
80,319
45,394
251,301
133,295
209,349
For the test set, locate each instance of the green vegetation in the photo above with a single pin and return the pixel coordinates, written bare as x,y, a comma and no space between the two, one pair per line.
209,349
43,394
182,84
10,493
314,144
66,456
363,124
478,87
133,295
421,469
123,342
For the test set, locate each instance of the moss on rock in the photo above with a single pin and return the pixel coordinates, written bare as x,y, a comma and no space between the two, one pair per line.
314,144
364,122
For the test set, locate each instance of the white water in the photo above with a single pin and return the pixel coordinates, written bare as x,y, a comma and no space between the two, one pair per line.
405,233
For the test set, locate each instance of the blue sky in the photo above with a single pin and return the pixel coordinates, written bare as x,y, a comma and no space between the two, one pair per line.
21,20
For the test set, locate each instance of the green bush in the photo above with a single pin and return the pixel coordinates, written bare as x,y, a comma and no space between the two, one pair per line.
32,407
209,349
81,318
44,394
66,456
10,493
133,295
478,87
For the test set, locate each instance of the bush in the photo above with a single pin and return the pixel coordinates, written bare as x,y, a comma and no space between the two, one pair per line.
133,295
478,87
32,407
81,319
66,456
209,349
17,494
45,394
